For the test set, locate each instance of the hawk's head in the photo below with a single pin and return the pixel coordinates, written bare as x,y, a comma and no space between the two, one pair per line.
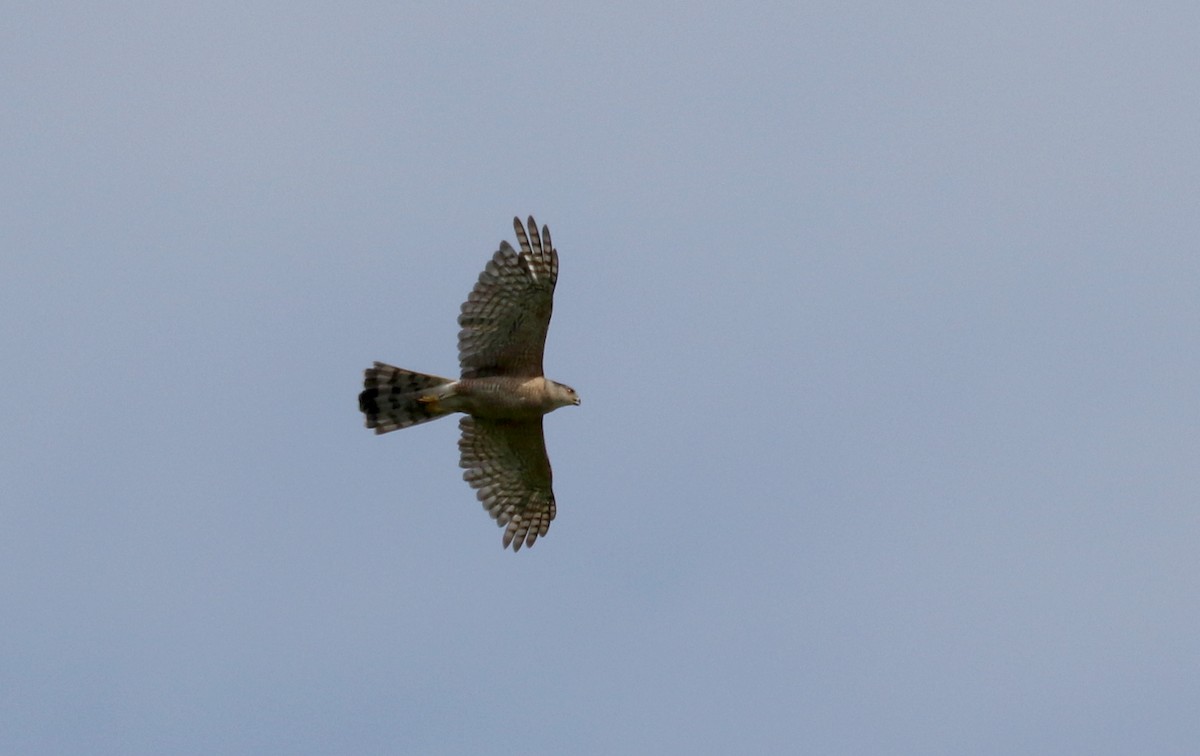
563,394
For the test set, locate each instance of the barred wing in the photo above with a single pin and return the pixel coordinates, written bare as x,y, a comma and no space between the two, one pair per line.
506,464
504,320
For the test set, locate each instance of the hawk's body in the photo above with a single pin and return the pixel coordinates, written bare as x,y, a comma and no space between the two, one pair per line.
502,390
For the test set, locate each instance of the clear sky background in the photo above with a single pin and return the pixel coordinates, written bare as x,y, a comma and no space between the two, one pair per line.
884,317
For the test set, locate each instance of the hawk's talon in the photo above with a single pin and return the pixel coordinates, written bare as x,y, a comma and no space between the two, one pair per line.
429,400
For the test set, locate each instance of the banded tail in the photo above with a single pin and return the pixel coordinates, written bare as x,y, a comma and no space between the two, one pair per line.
395,398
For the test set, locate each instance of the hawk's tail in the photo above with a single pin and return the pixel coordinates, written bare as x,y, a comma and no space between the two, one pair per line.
395,398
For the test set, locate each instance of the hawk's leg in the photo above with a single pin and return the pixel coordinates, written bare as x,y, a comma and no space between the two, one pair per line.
429,401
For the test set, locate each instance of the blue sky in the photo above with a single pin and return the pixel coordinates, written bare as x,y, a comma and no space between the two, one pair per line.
884,318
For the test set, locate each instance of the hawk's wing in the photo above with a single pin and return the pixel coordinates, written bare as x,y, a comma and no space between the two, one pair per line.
505,318
506,464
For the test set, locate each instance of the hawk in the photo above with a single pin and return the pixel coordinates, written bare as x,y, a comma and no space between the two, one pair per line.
502,390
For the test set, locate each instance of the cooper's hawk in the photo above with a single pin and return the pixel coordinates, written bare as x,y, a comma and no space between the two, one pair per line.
502,389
